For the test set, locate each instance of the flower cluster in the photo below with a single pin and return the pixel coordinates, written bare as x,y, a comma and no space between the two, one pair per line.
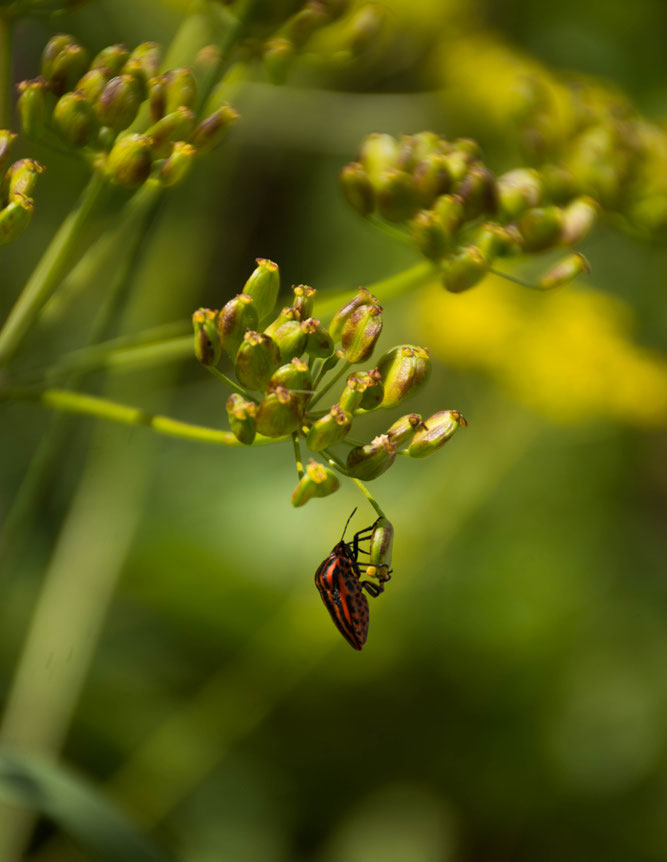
459,214
17,182
94,108
284,361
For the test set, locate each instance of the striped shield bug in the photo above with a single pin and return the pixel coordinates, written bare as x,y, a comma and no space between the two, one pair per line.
338,580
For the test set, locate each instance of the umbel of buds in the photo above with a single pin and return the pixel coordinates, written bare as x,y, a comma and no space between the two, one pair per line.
17,183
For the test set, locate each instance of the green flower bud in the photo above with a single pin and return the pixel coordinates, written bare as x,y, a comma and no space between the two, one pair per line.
21,179
118,103
207,340
429,235
295,376
558,182
53,48
464,269
404,428
291,339
379,153
340,318
301,26
145,57
129,162
373,390
111,60
157,97
280,413
317,481
564,271
458,164
329,429
75,119
176,126
277,55
32,106
417,148
264,285
364,27
363,389
479,193
541,227
380,550
432,178
211,131
361,332
319,344
449,209
236,317
63,62
256,360
303,300
15,218
518,191
397,198
469,147
370,461
178,165
436,431
6,140
405,370
495,240
357,188
579,216
180,89
241,415
91,85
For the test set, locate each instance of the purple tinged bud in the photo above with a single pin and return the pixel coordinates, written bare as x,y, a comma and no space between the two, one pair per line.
329,429
340,318
464,269
241,413
264,285
21,179
405,370
32,106
118,103
362,390
207,342
176,126
373,390
15,218
432,178
564,271
130,160
361,332
111,60
319,343
277,56
518,191
64,61
53,48
317,481
6,140
478,190
75,119
180,89
91,85
379,153
211,131
403,429
295,376
303,300
436,431
357,188
579,216
236,317
397,198
157,97
449,209
370,461
256,360
146,57
429,235
541,228
280,413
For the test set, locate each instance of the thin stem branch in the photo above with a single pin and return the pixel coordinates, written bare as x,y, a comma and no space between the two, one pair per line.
342,370
229,382
297,454
6,28
371,499
509,277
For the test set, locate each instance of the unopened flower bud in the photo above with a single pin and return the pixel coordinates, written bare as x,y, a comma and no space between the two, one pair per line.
111,60
263,285
449,209
362,390
118,103
176,126
432,178
277,56
6,140
15,218
21,179
303,300
479,193
329,429
63,62
436,431
397,198
357,188
361,332
372,391
75,119
459,163
340,318
236,317
380,550
317,481
404,428
495,240
256,360
379,153
207,341
429,235
129,162
364,27
241,413
178,165
464,269
91,85
564,271
290,338
145,57
579,216
319,344
540,227
405,370
518,190
211,131
180,89
32,106
157,97
370,461
279,413
301,26
295,376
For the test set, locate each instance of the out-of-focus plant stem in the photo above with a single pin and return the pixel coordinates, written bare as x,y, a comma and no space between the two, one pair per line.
5,71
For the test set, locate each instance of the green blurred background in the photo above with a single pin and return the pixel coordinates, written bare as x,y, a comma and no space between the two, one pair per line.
511,701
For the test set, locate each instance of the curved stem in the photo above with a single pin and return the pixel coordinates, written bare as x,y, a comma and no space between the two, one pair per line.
342,370
297,454
337,464
229,382
509,277
5,71
49,272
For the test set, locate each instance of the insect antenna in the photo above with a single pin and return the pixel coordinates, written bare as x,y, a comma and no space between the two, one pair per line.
347,522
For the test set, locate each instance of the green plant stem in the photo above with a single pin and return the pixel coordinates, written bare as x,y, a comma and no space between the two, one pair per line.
49,272
509,277
113,411
297,454
6,28
342,370
229,382
337,464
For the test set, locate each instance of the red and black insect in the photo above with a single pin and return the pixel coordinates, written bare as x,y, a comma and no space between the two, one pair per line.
338,580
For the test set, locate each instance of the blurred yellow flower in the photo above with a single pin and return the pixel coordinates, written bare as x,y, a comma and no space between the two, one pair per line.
567,353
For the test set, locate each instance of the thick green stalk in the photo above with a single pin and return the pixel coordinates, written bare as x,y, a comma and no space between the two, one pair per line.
5,71
49,272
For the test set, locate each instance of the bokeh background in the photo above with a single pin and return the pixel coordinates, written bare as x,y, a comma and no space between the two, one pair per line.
511,701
